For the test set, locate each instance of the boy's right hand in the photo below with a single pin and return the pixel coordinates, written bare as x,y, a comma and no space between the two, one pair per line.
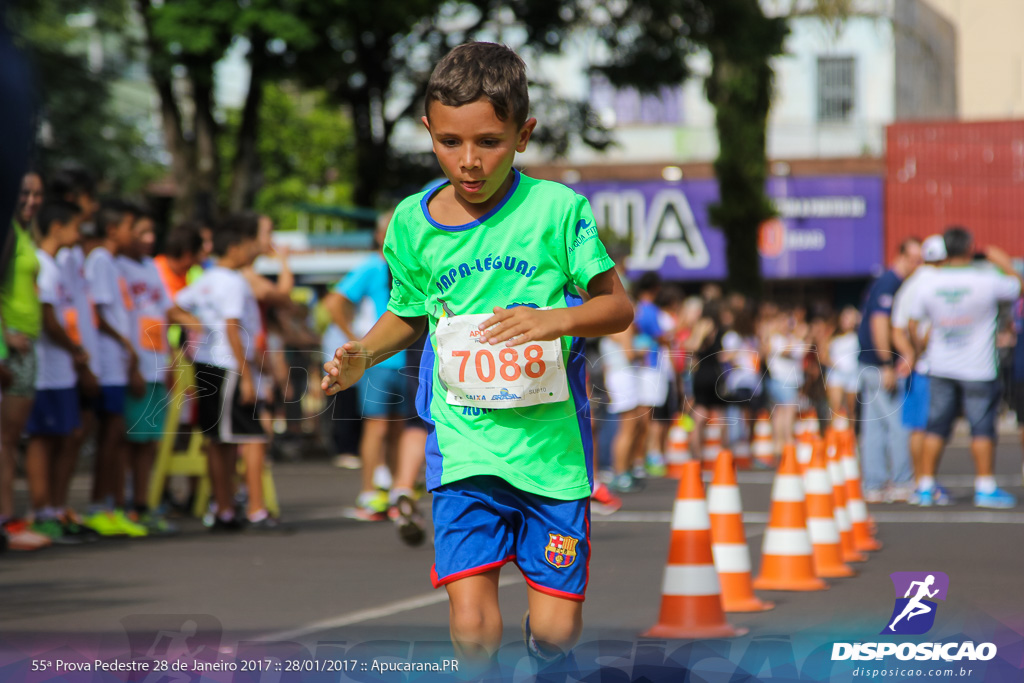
348,365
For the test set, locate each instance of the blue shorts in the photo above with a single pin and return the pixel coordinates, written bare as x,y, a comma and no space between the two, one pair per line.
781,393
54,413
383,392
915,403
979,402
482,523
111,399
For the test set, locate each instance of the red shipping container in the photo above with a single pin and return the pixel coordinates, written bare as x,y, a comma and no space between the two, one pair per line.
956,173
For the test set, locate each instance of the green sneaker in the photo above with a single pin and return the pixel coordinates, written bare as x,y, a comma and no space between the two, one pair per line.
103,523
52,529
130,528
156,525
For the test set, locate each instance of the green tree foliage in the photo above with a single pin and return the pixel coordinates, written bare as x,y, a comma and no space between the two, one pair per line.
78,123
305,153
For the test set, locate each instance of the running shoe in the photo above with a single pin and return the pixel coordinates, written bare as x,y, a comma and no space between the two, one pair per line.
409,521
603,501
347,461
998,499
874,496
156,525
51,528
655,465
74,528
370,507
130,528
626,483
639,471
935,496
103,523
21,538
899,493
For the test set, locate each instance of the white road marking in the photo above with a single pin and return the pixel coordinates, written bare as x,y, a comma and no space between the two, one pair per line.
390,609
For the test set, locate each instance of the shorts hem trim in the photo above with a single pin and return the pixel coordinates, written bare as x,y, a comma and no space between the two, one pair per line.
438,582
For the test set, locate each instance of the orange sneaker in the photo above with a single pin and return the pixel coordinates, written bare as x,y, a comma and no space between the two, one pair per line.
603,501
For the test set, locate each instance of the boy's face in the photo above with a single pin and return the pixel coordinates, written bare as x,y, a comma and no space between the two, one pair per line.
475,149
144,235
122,234
67,233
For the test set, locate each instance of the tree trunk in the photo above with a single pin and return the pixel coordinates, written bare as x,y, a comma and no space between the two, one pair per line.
245,167
181,150
207,152
740,90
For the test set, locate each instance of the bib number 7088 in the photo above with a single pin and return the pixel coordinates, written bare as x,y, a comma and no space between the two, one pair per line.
508,364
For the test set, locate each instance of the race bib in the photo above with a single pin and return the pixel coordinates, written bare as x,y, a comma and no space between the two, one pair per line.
151,334
71,326
484,376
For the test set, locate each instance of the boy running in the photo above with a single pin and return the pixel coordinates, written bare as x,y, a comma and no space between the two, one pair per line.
491,262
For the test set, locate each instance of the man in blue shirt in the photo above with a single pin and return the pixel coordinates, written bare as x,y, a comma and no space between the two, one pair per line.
884,441
383,389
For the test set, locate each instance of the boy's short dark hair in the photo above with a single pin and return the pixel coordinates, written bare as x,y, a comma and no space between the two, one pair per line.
71,181
959,241
111,213
235,229
476,70
186,238
56,211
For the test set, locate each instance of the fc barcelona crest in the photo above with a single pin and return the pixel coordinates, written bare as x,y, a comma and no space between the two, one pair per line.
561,550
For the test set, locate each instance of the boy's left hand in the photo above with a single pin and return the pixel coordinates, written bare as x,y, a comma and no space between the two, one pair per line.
523,324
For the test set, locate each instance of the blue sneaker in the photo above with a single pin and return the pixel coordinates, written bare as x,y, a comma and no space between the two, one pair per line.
997,499
935,496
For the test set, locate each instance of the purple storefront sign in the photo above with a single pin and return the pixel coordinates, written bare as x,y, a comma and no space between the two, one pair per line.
827,226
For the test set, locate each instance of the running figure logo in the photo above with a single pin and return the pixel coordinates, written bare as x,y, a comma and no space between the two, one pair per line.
914,613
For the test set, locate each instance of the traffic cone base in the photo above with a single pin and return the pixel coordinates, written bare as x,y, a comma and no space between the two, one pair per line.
677,619
788,569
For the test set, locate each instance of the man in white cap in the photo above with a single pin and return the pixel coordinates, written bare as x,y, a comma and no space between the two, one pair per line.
914,349
961,300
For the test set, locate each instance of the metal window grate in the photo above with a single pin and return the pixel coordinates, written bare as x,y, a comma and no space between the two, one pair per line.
835,88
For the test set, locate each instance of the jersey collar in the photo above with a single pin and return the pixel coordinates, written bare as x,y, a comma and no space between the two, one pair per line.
472,224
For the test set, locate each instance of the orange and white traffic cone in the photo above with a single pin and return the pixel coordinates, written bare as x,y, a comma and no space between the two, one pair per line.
712,441
838,477
804,450
787,559
764,446
811,423
821,523
840,422
678,451
741,454
860,525
729,543
691,602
